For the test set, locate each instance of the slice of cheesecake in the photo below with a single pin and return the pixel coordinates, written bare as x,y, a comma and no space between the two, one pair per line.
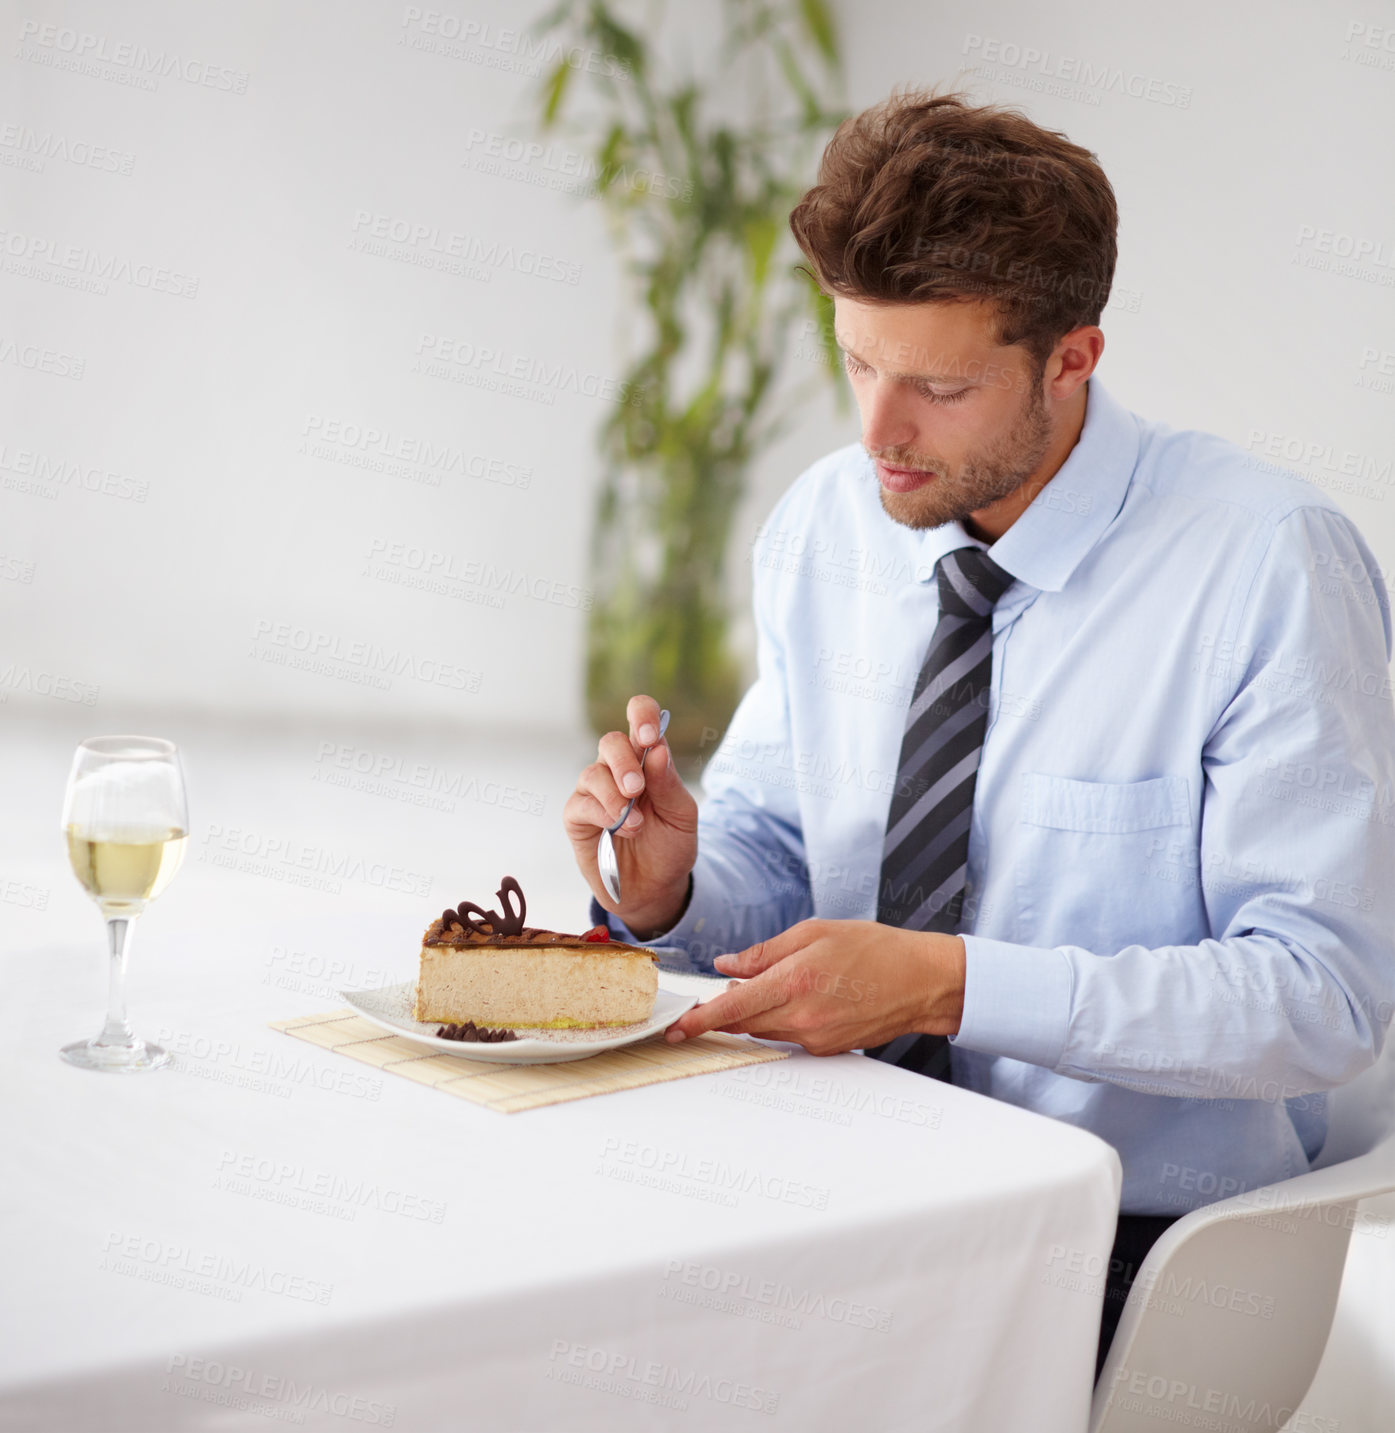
493,970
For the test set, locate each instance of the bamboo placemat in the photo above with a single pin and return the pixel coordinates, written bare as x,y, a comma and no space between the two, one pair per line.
510,1088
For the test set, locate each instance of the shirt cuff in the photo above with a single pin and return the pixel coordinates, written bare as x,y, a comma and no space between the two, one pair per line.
1017,1001
702,915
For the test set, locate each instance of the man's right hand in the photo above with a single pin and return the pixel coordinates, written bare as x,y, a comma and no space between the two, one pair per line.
656,848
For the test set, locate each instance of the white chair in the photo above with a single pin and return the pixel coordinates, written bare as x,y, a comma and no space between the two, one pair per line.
1230,1312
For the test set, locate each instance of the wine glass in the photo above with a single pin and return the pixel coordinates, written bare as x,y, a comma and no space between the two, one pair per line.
127,825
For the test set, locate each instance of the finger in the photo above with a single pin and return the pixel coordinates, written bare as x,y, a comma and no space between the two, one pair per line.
750,999
765,953
596,781
763,1028
664,791
584,817
643,715
617,751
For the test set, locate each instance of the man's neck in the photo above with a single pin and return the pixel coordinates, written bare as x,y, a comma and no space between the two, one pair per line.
990,523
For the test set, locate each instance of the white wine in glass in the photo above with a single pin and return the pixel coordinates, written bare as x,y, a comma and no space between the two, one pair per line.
126,824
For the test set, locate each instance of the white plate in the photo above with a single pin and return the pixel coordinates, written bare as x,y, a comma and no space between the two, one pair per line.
390,1007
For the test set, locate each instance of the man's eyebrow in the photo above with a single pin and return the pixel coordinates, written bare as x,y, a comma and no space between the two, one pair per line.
914,377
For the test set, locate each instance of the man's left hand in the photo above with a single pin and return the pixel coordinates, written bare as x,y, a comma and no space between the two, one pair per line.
833,986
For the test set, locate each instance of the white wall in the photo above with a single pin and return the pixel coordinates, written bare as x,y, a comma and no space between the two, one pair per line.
219,403
253,534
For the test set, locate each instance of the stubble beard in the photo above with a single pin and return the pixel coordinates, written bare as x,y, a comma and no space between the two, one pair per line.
982,479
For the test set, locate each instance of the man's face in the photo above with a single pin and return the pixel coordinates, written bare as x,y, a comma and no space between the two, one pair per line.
953,421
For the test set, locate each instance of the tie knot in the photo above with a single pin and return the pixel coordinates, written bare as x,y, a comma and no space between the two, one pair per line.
970,582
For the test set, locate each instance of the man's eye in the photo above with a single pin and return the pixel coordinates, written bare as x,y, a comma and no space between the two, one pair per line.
856,365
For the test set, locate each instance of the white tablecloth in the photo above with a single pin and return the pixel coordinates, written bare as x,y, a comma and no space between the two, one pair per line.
268,1232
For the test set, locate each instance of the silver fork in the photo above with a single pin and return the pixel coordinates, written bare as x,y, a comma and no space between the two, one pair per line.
605,851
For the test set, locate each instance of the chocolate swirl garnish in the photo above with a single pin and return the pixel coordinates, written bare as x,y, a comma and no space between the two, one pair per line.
475,918
464,918
470,925
512,924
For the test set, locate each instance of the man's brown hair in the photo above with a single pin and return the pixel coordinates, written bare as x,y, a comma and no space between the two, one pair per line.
927,198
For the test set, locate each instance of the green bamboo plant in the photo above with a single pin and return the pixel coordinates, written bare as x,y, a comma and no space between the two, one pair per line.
696,176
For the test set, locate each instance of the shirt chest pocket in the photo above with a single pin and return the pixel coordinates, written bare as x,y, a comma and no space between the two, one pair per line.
1095,863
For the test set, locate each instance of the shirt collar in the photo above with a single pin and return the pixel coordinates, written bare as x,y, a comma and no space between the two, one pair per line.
1065,520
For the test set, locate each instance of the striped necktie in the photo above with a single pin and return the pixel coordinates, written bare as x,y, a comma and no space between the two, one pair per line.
926,853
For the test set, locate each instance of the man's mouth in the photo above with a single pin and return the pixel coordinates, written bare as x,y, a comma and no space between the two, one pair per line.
902,480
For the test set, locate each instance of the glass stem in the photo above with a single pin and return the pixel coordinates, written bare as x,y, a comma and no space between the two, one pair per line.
117,1030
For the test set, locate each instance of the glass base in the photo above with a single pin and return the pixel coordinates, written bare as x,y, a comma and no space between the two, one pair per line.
116,1059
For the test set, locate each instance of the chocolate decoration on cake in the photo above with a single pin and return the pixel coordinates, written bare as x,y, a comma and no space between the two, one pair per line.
512,924
463,917
472,925
474,918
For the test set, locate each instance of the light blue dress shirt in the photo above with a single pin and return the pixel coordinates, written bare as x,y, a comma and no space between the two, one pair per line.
1181,879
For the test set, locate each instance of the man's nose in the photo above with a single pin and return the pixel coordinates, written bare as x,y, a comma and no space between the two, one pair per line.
886,419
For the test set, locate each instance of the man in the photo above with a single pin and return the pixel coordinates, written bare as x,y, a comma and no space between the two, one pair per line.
1072,749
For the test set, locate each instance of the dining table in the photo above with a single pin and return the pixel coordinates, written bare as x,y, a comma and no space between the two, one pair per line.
267,1231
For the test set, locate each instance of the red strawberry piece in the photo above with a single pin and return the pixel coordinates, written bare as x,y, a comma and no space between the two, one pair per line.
597,932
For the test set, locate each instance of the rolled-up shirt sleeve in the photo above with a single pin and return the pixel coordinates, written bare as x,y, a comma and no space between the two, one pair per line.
1294,857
